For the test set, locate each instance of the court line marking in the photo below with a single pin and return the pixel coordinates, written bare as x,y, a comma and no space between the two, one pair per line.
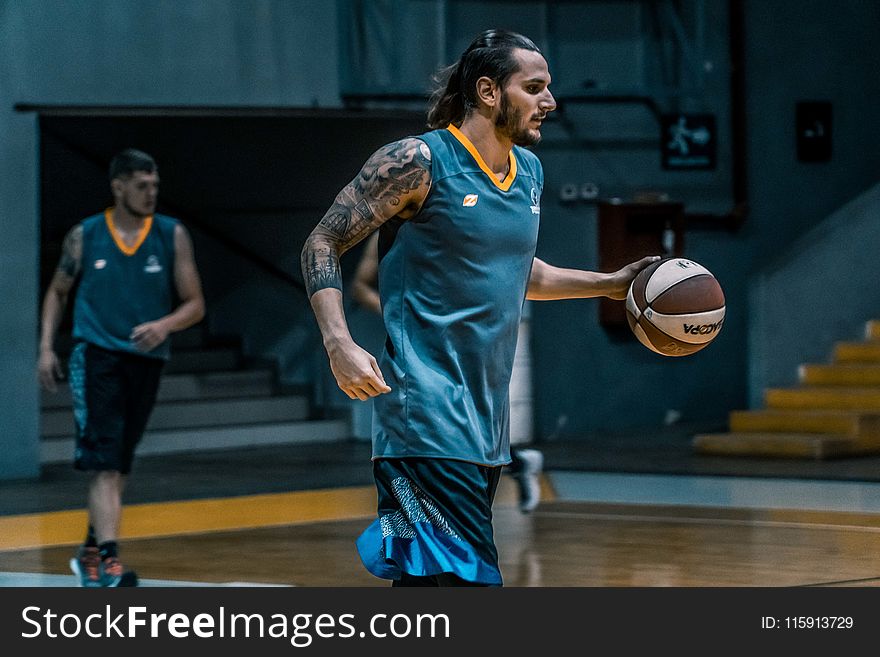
200,516
58,528
50,580
842,581
720,491
785,524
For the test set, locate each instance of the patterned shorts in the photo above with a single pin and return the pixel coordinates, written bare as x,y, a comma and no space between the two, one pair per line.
435,516
113,395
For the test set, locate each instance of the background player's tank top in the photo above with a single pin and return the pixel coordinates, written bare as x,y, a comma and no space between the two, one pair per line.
118,291
452,281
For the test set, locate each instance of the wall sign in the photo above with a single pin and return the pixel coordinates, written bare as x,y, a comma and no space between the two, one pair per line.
687,141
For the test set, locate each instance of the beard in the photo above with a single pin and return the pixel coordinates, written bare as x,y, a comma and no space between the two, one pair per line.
510,123
135,212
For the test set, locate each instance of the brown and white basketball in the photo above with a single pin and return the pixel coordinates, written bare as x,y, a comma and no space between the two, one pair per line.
675,307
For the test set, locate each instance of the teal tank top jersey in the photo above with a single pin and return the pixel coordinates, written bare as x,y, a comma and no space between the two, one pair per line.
452,282
121,287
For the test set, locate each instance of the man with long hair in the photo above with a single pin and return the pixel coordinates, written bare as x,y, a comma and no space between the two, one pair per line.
457,209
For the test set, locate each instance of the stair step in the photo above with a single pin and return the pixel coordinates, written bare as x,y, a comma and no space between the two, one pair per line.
207,359
850,374
783,445
847,423
857,352
191,338
203,360
195,337
60,449
815,397
198,385
835,412
200,413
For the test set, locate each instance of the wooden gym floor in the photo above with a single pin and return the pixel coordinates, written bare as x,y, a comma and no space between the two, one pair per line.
612,514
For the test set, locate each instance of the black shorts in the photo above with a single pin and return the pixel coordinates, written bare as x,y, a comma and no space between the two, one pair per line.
435,519
113,395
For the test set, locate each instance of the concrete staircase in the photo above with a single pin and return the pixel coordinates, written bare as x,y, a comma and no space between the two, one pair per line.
834,412
210,397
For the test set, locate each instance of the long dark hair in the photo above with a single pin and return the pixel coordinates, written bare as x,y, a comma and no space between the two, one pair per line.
490,54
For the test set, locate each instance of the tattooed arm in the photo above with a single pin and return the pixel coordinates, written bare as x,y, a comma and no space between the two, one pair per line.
54,303
393,182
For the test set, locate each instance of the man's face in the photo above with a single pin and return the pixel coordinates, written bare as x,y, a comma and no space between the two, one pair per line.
137,193
525,100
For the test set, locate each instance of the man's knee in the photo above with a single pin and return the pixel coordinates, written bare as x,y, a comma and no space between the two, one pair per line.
107,478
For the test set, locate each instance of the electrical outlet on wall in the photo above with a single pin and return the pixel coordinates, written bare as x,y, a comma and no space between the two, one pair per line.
578,192
589,191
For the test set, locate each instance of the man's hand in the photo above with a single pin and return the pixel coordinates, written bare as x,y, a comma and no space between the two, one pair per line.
149,335
49,370
357,372
624,276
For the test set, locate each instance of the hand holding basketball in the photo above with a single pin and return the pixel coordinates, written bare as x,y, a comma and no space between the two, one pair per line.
675,307
628,273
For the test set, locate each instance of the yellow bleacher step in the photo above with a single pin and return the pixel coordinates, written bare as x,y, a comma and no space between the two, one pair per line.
846,374
834,412
857,352
782,445
847,423
827,397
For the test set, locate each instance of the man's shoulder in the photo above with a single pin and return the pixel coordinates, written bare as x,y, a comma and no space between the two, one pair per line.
435,137
527,155
407,152
436,145
410,142
91,220
166,227
165,219
528,161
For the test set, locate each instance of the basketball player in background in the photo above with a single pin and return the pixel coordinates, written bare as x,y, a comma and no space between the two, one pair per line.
457,209
137,284
526,464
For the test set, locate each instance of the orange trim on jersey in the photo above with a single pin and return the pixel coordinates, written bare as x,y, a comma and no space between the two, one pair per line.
142,235
503,185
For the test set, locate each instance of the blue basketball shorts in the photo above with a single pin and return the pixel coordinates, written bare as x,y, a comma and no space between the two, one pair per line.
434,517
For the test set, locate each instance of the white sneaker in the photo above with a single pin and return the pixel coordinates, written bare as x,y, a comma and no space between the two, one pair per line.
528,478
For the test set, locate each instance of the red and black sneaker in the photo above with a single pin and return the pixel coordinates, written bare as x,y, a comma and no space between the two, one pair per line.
86,566
113,574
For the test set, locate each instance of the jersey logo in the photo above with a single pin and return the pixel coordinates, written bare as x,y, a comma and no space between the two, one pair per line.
470,200
536,201
153,266
100,264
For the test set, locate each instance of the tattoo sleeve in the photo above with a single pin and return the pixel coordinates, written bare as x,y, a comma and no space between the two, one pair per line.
70,264
393,181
